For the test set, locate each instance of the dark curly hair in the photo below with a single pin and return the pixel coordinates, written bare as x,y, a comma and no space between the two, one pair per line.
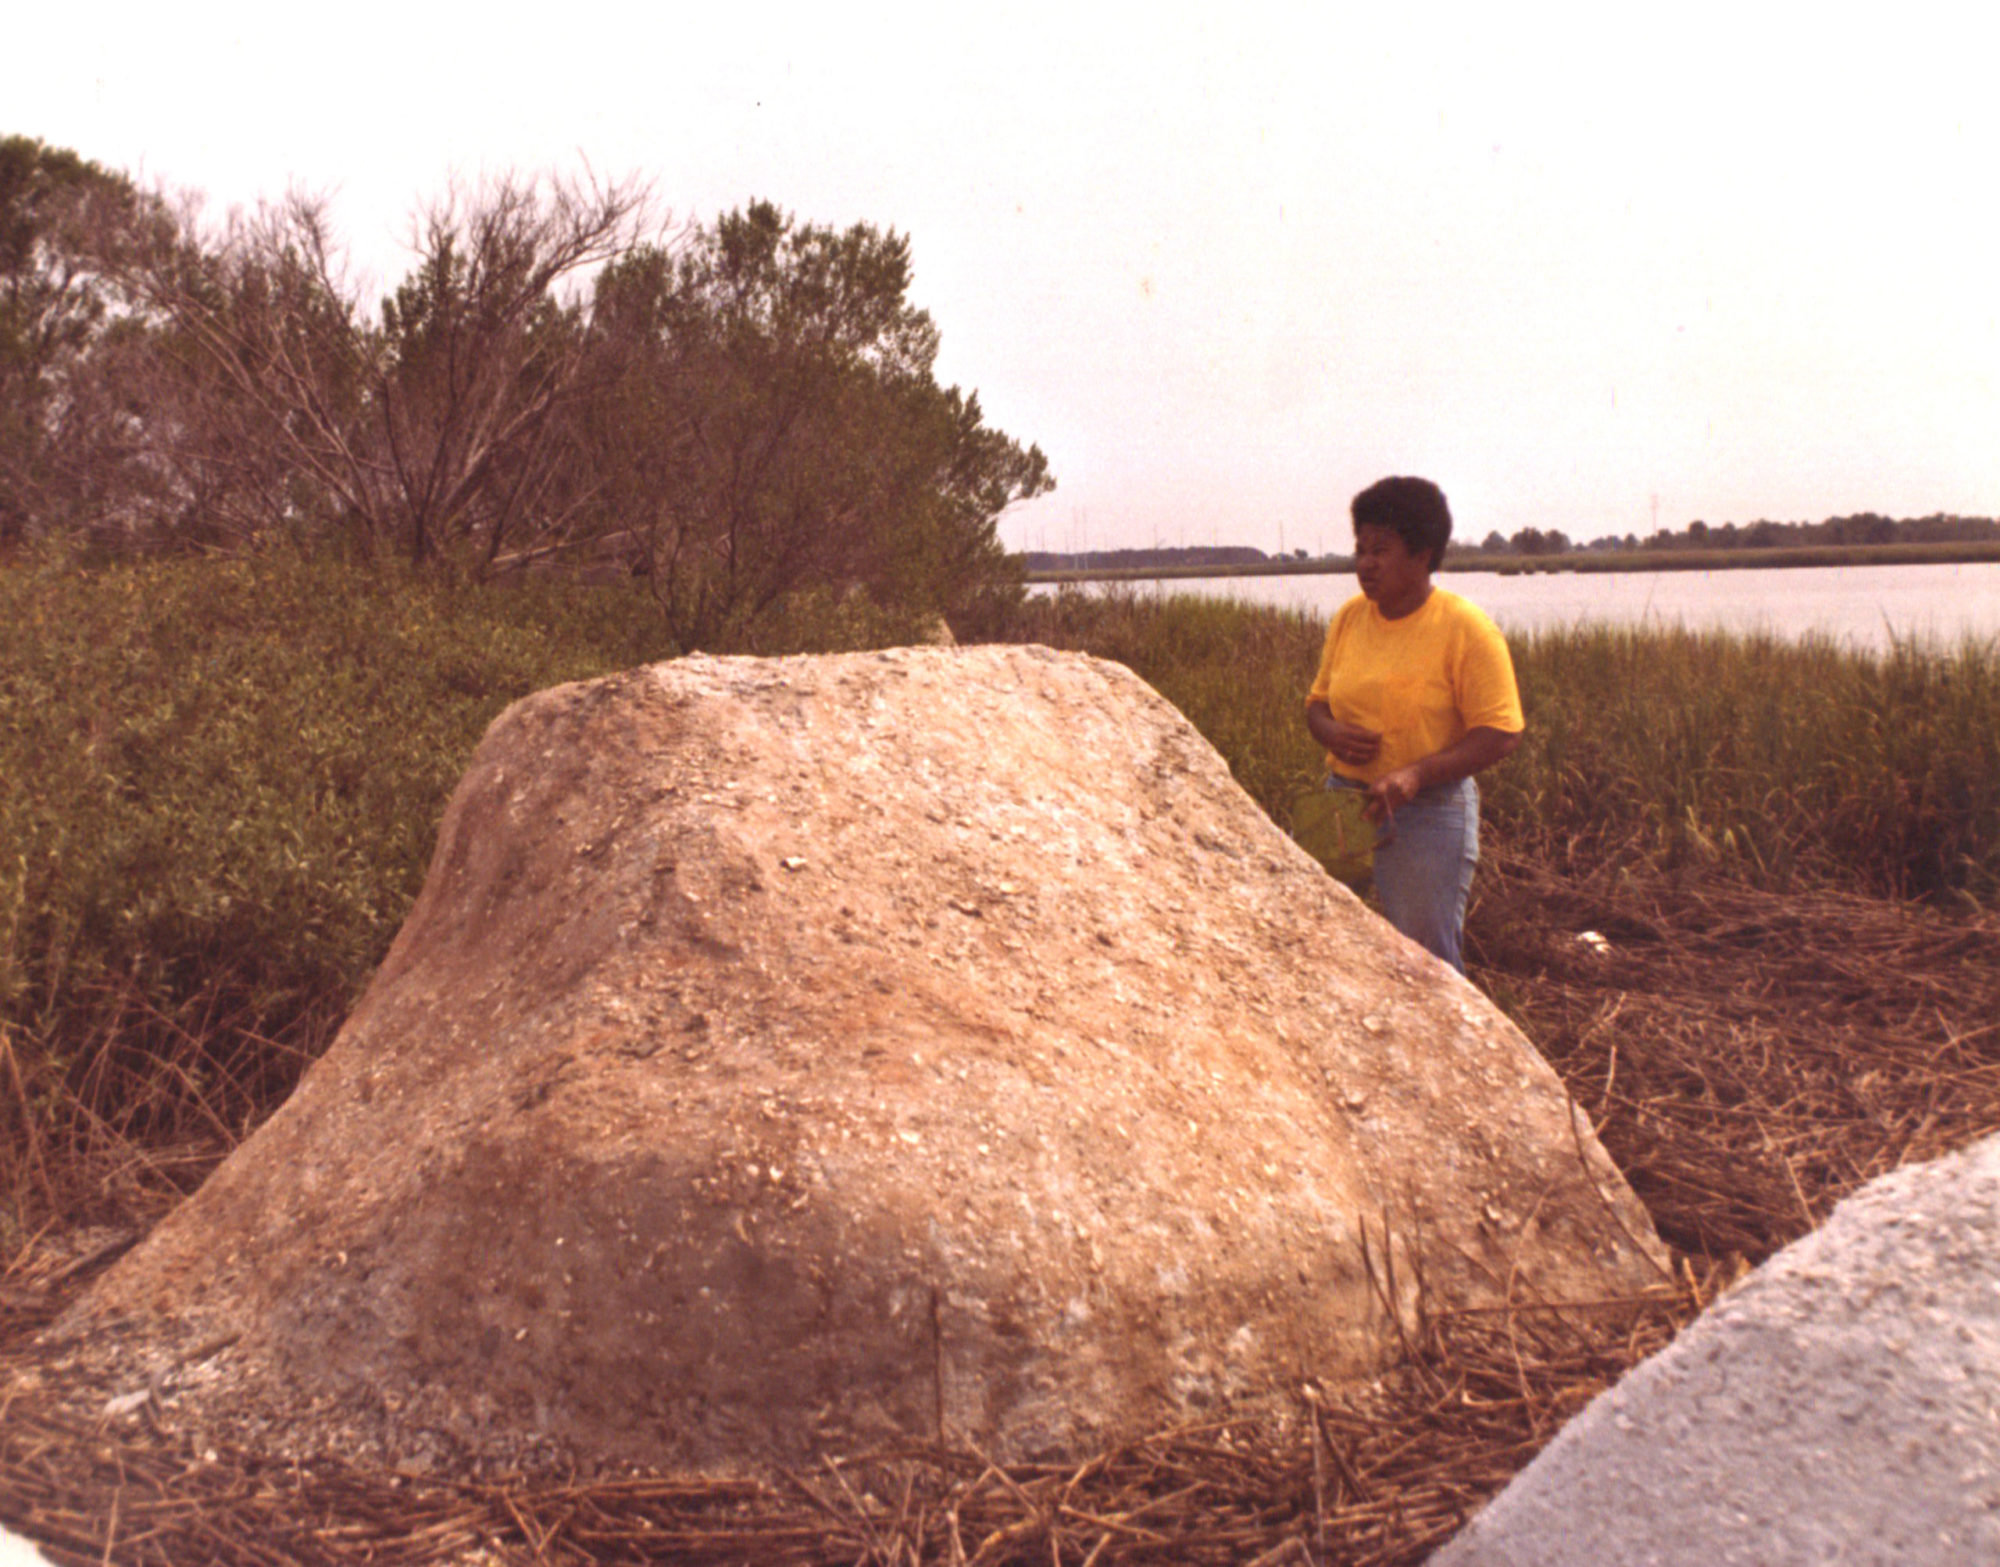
1414,508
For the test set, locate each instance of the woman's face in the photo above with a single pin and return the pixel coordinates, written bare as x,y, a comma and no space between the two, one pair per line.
1393,579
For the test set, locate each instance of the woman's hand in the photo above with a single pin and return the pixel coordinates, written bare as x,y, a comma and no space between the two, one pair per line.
1474,752
1349,743
1391,792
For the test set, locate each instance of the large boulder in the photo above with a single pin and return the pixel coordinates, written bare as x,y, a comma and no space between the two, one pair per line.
1841,1404
790,1054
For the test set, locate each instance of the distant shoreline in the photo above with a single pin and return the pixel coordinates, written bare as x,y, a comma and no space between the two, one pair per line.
1576,560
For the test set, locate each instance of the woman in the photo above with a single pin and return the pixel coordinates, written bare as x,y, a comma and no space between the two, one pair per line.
1415,694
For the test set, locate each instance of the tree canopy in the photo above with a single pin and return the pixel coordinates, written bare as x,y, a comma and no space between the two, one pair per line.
738,412
775,423
64,444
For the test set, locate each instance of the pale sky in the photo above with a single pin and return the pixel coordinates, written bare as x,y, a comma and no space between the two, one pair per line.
1581,265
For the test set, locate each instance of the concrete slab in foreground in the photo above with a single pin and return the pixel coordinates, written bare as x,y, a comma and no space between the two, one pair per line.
1841,1405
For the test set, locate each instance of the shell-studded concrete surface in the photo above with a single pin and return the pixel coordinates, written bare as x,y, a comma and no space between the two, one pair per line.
1841,1404
789,1054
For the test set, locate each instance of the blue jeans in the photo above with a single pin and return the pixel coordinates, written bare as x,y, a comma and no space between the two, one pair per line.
1424,875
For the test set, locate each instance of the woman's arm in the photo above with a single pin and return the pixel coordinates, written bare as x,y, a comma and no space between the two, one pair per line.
1473,752
1350,742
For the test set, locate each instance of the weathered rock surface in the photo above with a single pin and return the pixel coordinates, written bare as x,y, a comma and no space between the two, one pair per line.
1841,1404
797,1053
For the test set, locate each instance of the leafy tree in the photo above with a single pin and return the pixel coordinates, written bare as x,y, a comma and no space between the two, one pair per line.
1865,528
482,357
430,430
775,426
1534,541
744,415
64,443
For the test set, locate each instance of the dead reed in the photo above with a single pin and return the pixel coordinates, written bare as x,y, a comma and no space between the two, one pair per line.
1375,1476
1749,1058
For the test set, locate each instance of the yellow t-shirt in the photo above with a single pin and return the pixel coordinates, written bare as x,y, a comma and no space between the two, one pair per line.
1419,682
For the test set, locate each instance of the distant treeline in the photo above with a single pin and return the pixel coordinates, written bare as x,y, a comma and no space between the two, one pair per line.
1862,528
1136,560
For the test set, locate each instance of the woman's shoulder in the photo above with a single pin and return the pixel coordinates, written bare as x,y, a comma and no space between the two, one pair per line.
1460,610
1352,610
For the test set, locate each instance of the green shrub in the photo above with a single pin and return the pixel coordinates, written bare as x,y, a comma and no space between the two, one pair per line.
218,767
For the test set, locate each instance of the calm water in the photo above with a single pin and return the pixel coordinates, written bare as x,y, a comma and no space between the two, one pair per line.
1865,606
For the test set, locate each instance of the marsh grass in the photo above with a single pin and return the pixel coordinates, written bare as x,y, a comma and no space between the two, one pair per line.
220,787
1782,763
1792,762
1238,671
